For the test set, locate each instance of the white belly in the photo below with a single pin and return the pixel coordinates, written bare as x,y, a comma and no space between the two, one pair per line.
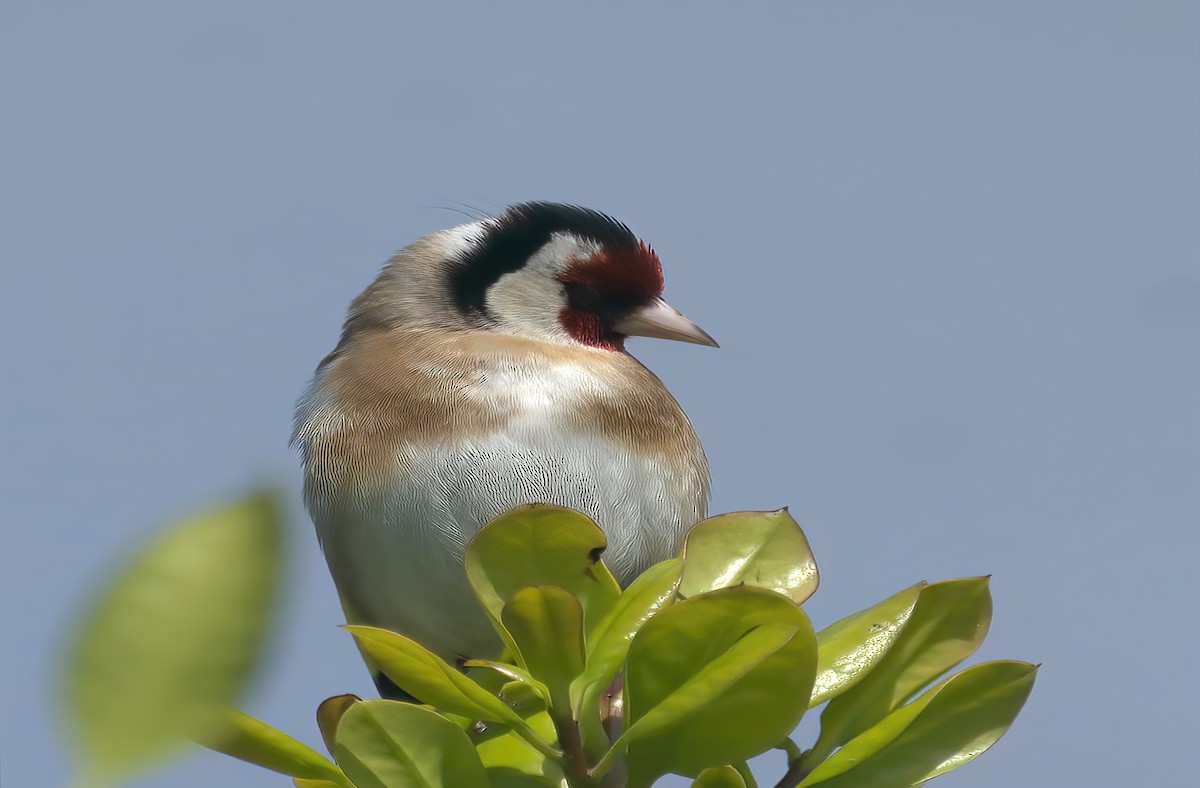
396,555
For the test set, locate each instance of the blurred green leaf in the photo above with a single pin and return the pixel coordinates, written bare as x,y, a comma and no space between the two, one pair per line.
719,777
848,649
172,638
763,549
329,714
301,782
947,726
387,744
715,679
256,742
546,624
430,679
947,624
538,545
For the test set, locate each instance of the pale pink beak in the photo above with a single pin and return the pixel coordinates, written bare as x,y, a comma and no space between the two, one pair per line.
660,319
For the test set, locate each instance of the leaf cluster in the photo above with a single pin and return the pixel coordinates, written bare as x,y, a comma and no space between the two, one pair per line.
705,661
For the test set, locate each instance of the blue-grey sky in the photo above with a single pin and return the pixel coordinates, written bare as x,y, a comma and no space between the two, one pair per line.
951,252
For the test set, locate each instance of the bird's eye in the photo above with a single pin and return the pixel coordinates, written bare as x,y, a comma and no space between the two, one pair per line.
609,305
585,297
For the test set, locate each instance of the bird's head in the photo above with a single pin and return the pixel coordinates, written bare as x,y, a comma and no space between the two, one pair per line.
538,270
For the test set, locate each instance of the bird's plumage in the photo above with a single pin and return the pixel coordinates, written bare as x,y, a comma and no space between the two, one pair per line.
465,383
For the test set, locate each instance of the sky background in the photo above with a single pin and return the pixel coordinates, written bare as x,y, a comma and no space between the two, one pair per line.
951,252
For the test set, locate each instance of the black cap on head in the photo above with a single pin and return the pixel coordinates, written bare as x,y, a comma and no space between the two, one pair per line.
515,235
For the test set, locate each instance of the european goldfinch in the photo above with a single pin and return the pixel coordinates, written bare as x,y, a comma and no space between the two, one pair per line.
483,369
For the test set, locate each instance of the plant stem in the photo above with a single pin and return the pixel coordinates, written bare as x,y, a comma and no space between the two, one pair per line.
743,769
575,762
611,758
799,768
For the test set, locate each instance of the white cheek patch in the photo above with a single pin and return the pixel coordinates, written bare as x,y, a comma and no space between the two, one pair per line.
528,301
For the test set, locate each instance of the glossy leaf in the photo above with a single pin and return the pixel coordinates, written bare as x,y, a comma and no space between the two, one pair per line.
329,714
848,649
172,637
719,777
947,726
301,782
764,549
387,744
538,545
430,679
546,624
742,654
947,624
609,644
256,742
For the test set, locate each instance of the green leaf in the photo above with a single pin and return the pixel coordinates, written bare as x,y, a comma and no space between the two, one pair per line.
609,644
719,777
514,673
546,624
256,742
947,624
505,753
521,695
948,725
848,649
763,549
387,744
171,639
712,680
510,778
430,679
329,714
537,545
301,782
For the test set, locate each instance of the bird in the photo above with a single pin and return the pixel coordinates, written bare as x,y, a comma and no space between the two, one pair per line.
483,369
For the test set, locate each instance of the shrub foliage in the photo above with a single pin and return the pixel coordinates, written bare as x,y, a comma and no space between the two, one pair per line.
705,661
